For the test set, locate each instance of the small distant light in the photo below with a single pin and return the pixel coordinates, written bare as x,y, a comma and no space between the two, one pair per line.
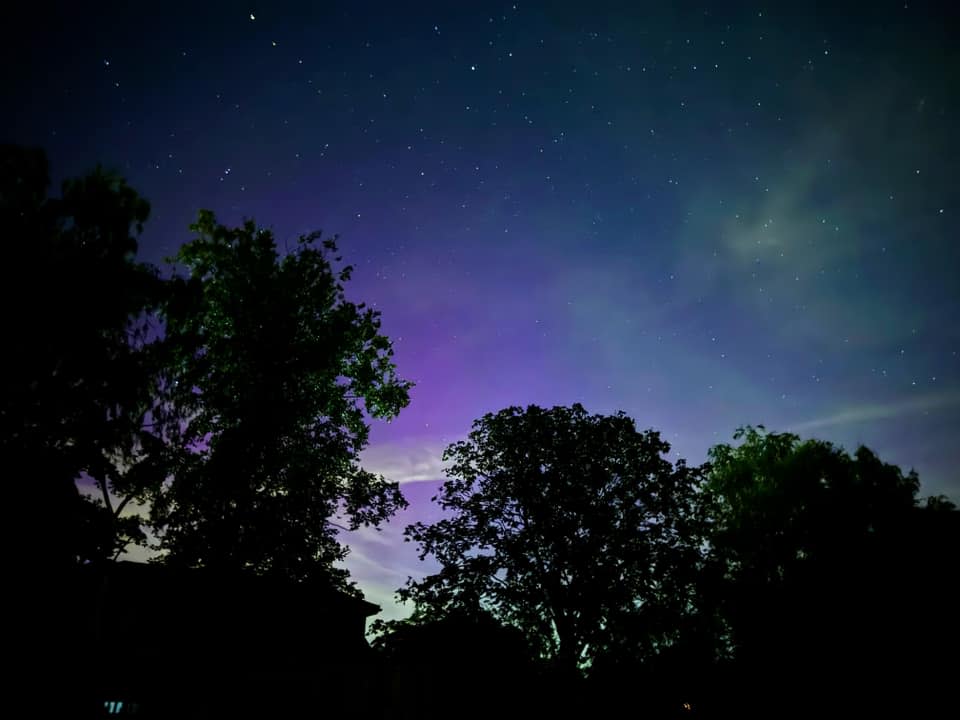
686,706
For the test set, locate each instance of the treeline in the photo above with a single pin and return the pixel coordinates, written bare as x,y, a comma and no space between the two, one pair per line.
215,409
783,578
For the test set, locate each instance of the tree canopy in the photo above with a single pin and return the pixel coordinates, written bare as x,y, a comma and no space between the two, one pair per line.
568,526
825,560
76,387
231,395
271,374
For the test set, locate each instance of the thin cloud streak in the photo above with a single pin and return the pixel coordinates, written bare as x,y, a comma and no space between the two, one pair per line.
880,411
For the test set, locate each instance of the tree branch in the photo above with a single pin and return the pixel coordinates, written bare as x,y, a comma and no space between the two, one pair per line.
122,505
102,484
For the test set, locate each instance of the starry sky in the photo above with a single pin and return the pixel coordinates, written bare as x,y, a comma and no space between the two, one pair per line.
704,214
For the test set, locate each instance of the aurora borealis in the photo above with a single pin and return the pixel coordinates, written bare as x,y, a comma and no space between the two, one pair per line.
703,214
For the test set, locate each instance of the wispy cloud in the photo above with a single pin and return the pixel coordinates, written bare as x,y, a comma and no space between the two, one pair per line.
405,464
880,411
802,245
380,563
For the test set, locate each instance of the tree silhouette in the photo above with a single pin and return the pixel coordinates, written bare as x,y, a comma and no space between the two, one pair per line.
568,526
271,374
825,565
77,385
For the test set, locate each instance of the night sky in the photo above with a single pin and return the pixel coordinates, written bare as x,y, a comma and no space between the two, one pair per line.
705,215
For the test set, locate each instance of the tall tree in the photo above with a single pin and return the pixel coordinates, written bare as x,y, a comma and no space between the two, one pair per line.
573,528
77,384
274,374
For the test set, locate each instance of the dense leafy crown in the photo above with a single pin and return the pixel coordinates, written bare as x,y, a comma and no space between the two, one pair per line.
273,373
567,525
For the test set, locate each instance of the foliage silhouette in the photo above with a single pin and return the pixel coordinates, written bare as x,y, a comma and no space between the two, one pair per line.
571,527
239,419
77,386
272,374
825,563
